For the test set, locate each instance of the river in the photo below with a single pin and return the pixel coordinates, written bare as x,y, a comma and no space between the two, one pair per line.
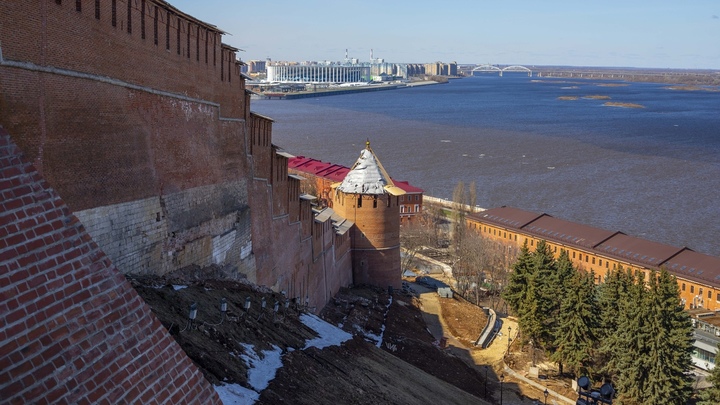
652,172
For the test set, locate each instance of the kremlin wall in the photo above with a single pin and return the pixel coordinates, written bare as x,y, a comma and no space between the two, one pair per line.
128,146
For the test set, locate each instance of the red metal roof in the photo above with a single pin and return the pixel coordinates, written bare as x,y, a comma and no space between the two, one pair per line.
335,172
406,187
507,217
567,232
695,266
637,250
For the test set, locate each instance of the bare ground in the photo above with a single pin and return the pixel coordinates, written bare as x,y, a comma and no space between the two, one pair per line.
410,367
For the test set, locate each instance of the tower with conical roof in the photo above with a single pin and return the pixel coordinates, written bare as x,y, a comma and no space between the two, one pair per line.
368,197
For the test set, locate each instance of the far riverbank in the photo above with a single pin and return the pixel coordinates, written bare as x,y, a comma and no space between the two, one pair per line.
335,91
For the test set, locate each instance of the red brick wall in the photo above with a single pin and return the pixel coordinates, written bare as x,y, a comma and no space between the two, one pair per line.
101,143
49,34
375,237
74,329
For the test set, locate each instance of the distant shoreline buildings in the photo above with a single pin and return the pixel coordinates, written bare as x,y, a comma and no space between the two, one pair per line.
350,70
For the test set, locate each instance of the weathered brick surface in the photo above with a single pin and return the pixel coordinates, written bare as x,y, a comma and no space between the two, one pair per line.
73,328
157,173
375,238
157,154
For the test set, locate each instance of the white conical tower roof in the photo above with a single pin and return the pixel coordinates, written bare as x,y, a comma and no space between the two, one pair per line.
367,176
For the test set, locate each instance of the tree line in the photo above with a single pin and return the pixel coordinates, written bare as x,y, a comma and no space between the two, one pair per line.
629,330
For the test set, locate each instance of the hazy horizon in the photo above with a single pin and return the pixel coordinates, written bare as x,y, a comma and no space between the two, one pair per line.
662,34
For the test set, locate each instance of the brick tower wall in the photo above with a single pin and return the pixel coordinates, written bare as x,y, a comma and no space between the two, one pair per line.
143,135
375,238
74,330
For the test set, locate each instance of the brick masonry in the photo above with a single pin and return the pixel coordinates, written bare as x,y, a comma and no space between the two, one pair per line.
154,151
74,330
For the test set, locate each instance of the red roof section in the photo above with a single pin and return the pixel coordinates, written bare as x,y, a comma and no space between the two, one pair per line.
695,266
407,187
335,172
318,168
564,231
637,250
508,217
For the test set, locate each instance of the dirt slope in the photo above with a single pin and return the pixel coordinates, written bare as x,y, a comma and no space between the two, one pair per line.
409,369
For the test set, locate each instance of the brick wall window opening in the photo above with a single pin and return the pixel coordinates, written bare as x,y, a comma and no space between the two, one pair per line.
142,19
97,9
214,48
113,14
167,32
206,46
375,202
129,17
155,26
78,5
188,41
179,25
359,202
197,44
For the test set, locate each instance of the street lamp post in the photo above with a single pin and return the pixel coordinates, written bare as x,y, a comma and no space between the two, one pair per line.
532,347
546,395
509,339
502,378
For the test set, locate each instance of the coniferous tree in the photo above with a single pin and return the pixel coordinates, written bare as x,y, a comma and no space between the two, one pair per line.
670,345
631,344
611,294
544,295
516,291
576,335
564,271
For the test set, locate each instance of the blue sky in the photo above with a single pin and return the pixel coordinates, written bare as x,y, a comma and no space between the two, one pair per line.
631,33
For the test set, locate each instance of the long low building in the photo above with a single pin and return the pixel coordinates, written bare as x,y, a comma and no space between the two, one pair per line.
600,250
318,73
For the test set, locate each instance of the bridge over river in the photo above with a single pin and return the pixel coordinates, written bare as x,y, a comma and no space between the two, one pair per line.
488,68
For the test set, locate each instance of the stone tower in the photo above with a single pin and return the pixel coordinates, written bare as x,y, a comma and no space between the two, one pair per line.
368,197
